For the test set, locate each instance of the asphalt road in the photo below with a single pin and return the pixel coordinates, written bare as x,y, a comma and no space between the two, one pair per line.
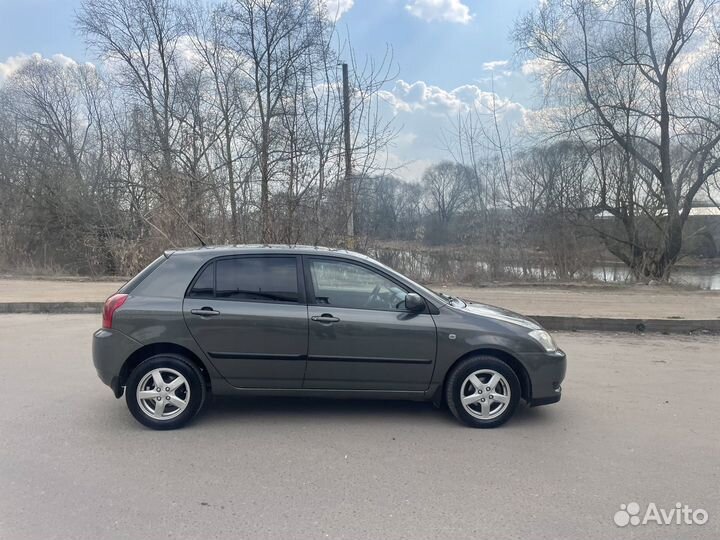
638,423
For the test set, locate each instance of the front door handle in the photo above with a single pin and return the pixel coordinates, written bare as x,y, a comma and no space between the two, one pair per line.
205,312
325,318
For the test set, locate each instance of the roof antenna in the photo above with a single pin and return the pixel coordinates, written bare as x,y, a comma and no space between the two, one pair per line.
197,234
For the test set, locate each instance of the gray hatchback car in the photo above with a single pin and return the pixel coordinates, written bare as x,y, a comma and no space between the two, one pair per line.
307,321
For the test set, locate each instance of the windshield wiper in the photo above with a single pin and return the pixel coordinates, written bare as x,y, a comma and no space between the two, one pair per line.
450,299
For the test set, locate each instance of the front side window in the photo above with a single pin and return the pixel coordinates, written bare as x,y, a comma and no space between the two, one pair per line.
269,279
348,285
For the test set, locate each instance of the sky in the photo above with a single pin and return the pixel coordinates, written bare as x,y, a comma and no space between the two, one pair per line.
449,54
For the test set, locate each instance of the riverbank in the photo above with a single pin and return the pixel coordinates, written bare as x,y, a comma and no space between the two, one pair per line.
462,265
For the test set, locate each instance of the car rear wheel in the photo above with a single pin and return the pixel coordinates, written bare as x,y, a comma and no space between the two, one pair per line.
482,392
165,392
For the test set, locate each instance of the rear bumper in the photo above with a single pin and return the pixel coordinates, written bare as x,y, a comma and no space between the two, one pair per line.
546,372
110,350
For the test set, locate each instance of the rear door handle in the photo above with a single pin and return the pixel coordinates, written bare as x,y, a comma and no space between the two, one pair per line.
325,318
205,312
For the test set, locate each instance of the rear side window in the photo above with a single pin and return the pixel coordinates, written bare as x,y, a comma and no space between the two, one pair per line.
265,279
204,286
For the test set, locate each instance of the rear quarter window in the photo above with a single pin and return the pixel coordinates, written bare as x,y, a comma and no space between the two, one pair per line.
149,269
173,277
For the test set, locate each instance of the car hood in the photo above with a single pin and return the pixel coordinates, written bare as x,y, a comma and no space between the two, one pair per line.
499,314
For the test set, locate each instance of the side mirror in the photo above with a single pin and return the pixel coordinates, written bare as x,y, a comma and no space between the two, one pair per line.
414,302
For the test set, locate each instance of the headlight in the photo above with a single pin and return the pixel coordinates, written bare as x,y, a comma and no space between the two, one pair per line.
544,339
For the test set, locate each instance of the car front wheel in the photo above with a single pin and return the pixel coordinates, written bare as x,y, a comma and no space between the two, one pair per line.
165,392
482,392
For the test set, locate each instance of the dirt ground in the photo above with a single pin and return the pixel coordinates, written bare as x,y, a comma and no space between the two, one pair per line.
640,302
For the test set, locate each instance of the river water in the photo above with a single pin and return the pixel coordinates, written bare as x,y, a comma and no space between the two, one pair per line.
448,267
702,278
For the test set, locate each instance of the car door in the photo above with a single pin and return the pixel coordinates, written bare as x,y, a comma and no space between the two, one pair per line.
248,314
361,335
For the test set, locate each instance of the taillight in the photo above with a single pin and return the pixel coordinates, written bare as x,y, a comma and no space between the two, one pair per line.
111,306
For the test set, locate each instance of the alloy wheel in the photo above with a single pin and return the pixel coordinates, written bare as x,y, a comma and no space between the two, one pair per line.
485,394
163,394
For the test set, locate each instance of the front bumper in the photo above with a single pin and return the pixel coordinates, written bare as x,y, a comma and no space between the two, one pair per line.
110,350
546,372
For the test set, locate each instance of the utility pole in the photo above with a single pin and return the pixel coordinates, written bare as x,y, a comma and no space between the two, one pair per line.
349,210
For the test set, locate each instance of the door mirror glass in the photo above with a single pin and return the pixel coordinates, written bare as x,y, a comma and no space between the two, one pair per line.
414,302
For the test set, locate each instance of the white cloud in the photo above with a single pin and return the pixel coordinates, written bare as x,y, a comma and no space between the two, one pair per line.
419,96
494,65
410,170
337,8
701,55
440,10
536,66
11,65
426,114
63,60
187,51
541,70
14,63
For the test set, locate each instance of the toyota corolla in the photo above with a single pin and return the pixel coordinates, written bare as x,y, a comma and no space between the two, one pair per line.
307,321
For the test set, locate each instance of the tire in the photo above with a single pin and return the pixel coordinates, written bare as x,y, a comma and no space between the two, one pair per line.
182,393
483,408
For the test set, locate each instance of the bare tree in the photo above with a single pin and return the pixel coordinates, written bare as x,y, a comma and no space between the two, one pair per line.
481,139
140,38
208,30
446,185
551,194
274,37
619,70
219,122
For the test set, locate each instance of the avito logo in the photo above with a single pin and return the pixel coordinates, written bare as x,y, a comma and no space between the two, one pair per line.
680,514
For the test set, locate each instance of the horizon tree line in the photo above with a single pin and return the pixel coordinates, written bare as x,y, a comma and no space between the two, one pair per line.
224,124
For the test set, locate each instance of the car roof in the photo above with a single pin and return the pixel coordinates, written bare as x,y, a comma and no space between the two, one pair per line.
266,249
